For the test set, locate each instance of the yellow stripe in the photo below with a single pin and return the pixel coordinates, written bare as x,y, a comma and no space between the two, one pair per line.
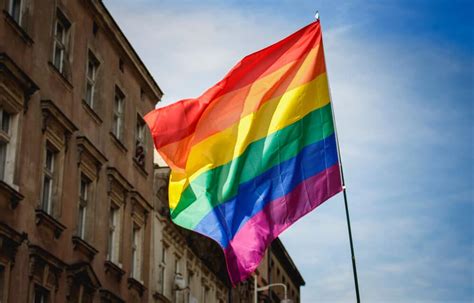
230,143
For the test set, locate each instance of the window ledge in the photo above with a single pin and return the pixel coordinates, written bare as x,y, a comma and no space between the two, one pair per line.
13,194
118,142
64,79
95,116
18,28
83,247
45,219
160,297
140,168
137,285
114,269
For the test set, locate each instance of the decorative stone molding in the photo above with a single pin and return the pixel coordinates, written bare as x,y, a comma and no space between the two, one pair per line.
82,273
10,240
13,195
140,207
16,87
55,122
45,269
158,297
84,248
89,156
109,296
117,184
48,221
114,269
136,285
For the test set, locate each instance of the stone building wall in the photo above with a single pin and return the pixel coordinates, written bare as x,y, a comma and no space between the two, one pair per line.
201,262
76,167
83,209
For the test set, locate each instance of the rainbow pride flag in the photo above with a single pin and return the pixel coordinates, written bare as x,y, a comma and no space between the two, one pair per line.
255,152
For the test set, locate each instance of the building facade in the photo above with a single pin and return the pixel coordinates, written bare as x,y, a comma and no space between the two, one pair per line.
190,268
76,167
83,208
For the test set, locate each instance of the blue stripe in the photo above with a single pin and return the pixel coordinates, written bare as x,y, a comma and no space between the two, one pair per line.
225,220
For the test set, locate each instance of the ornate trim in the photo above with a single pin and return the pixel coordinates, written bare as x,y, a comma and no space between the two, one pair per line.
109,296
84,273
10,240
137,285
45,219
87,149
14,195
84,248
43,263
8,67
114,269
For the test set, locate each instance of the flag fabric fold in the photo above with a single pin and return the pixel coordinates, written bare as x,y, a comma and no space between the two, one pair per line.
255,152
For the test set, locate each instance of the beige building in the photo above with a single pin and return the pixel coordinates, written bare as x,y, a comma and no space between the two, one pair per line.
76,167
187,268
190,268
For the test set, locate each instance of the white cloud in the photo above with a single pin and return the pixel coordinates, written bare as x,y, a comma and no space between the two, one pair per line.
390,99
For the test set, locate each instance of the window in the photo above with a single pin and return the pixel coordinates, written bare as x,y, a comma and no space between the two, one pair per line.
114,234
84,192
137,249
140,134
189,283
5,118
117,128
163,268
48,180
95,28
121,65
2,284
41,295
79,293
205,293
61,38
177,265
15,9
91,75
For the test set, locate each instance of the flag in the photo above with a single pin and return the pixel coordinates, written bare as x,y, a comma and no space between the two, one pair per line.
255,152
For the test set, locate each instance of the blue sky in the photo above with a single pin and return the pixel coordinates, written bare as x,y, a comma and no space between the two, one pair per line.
401,75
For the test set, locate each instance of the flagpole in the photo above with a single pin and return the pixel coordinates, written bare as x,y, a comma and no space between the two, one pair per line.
354,267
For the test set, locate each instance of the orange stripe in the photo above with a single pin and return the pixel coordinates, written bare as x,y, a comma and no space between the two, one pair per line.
233,106
179,120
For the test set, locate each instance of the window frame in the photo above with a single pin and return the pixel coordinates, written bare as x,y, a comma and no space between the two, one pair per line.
83,205
61,44
91,79
118,114
114,233
3,283
43,291
137,252
5,138
20,11
51,175
140,141
162,267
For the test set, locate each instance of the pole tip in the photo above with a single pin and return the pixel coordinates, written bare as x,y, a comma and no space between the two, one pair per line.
316,16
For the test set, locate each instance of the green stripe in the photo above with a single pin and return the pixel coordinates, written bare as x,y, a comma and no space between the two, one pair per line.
221,183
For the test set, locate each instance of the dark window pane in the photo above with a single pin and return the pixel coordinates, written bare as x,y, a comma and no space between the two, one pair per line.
15,10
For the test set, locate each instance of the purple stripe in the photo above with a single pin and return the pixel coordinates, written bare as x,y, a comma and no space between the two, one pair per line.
247,248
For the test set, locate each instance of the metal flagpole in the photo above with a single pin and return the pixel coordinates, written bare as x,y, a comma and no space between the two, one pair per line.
354,268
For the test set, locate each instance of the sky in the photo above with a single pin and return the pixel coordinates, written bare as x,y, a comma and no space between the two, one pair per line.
401,77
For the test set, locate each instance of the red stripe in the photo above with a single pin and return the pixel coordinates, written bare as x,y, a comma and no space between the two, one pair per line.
179,120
